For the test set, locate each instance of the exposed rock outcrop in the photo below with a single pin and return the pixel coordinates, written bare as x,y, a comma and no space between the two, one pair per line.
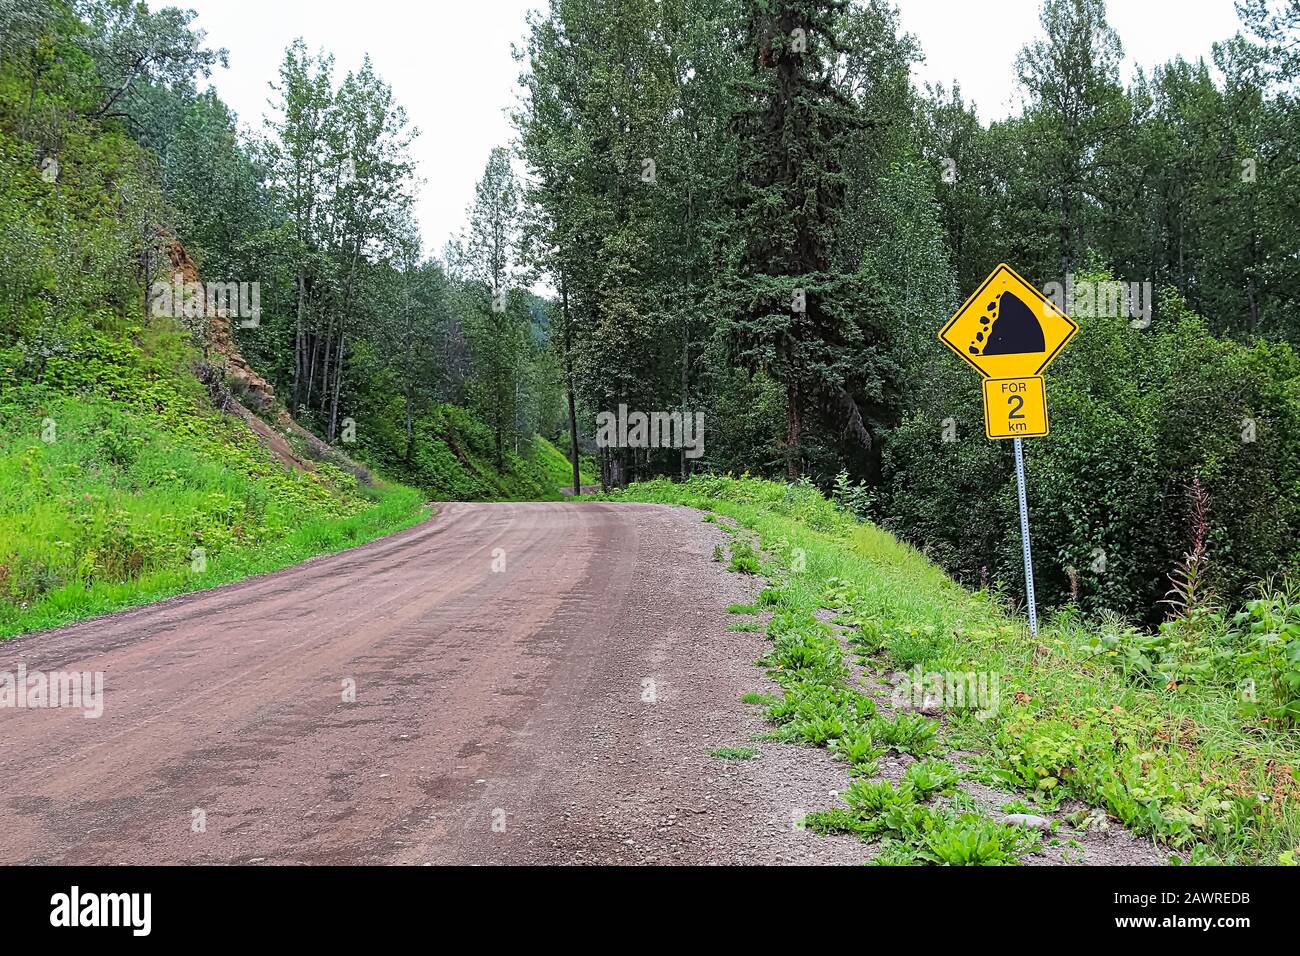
254,391
235,385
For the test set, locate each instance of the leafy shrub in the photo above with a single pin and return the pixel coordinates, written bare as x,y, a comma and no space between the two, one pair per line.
855,498
817,714
1268,629
804,647
914,833
1256,659
872,797
861,752
1182,650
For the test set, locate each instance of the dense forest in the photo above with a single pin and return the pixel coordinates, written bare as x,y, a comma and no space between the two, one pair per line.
740,209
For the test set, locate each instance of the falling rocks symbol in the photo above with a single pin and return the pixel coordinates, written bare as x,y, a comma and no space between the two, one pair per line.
1010,328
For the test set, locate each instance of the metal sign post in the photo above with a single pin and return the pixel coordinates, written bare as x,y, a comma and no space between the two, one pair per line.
1009,332
1024,539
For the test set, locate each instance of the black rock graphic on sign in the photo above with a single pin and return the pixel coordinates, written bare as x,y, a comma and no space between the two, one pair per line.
1010,328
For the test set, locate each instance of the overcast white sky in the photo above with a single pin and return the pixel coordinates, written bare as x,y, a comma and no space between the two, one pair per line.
449,63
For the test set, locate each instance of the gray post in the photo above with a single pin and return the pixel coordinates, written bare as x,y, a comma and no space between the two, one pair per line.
1024,540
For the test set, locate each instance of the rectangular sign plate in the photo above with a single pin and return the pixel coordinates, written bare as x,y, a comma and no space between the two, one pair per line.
1015,407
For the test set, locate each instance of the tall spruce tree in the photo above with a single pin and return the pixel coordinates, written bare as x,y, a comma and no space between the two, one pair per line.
793,316
496,315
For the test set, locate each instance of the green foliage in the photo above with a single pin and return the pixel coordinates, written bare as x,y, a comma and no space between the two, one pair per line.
906,733
875,797
735,753
818,707
743,557
861,752
1268,632
854,497
917,834
930,777
1256,658
1179,652
1137,417
973,840
455,458
556,466
750,409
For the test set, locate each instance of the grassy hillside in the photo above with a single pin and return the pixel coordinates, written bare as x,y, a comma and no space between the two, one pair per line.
1191,762
455,458
120,485
556,465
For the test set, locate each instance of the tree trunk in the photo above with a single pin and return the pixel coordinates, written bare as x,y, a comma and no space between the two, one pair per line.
410,426
299,345
568,388
338,381
338,360
325,371
408,370
686,361
794,460
31,93
1066,254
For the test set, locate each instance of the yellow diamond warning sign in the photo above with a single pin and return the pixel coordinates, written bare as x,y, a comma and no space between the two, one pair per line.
1015,407
1008,329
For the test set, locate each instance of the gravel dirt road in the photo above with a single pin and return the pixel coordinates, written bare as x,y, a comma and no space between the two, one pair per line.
534,683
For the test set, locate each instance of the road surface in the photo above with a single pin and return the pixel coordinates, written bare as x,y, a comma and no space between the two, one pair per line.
505,683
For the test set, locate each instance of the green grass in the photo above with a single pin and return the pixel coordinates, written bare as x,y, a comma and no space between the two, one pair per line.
125,505
1185,766
743,558
735,753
